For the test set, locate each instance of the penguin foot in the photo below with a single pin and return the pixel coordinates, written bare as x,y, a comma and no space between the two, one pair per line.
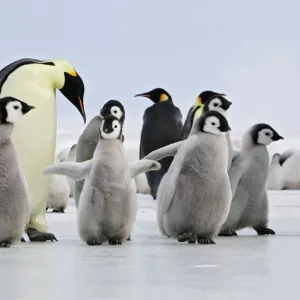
264,231
204,240
5,244
22,240
115,241
47,208
95,242
187,237
227,233
37,236
59,210
129,238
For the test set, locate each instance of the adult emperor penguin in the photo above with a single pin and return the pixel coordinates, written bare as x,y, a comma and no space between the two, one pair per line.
90,137
200,101
162,125
248,178
35,82
14,194
194,195
107,206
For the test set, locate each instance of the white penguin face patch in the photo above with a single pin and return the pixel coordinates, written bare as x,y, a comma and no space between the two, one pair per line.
116,111
14,111
211,125
110,132
215,104
265,137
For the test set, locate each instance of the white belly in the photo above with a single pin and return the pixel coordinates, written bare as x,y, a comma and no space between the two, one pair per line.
34,138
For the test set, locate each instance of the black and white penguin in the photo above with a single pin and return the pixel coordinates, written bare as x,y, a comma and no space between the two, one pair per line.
162,125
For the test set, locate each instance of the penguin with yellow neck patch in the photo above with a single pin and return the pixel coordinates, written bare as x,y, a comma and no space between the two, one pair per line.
200,101
34,137
162,125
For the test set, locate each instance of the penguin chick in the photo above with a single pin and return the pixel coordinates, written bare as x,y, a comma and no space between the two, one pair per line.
162,125
107,205
194,195
14,213
90,137
275,176
248,178
200,101
71,158
59,193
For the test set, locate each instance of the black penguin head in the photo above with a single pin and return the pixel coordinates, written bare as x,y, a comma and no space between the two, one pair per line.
264,134
12,109
111,128
218,103
157,95
213,122
115,108
206,95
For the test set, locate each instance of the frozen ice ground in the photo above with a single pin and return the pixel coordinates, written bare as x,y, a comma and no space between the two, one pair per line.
154,267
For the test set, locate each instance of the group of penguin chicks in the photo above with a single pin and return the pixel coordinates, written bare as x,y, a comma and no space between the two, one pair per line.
207,189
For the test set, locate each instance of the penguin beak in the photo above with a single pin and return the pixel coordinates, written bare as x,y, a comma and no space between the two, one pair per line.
143,95
226,105
82,112
277,137
27,108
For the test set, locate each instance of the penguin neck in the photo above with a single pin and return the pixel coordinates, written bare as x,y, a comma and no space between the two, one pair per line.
104,145
247,141
5,132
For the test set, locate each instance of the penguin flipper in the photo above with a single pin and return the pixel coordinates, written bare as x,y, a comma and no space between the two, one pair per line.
75,170
169,150
144,165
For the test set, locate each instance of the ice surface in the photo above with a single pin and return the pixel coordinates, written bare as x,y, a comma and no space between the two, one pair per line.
154,267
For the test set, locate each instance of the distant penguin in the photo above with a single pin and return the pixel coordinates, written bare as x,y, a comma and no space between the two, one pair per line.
201,100
107,206
194,195
90,137
14,211
248,178
58,197
275,181
162,125
63,154
34,137
72,158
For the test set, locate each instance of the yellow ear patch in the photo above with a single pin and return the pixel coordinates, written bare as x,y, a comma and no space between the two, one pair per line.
163,97
198,102
197,113
72,73
65,65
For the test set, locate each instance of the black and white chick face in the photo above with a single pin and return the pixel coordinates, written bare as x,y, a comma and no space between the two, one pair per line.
264,134
111,128
213,122
12,109
115,108
218,103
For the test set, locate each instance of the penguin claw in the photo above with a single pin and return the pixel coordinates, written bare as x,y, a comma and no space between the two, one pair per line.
227,233
129,238
22,240
264,231
5,245
205,240
94,242
59,210
37,236
190,237
114,241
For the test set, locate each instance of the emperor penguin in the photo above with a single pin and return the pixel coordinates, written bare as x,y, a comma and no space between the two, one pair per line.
275,181
34,137
14,212
194,195
72,157
198,105
59,193
248,178
107,207
90,137
62,155
162,125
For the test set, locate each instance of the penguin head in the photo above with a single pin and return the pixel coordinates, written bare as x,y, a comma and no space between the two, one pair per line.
70,84
264,134
218,103
111,128
213,122
12,109
157,95
205,96
115,108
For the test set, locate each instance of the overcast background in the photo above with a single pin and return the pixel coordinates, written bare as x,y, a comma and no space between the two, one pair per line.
247,50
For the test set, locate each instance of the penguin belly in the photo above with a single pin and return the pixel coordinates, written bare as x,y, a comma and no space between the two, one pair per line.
34,138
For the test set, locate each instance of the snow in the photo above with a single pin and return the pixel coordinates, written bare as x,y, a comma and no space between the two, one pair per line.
155,267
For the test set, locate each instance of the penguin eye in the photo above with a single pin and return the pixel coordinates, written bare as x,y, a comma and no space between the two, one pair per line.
16,107
115,126
213,123
115,112
267,133
216,104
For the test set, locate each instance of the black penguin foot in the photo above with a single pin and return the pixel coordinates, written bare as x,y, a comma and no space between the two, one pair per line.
95,242
37,236
227,233
129,238
5,244
47,208
114,241
264,231
22,240
59,210
187,237
204,240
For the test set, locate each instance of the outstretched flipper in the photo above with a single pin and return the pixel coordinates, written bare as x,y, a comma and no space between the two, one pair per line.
163,152
75,170
144,165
